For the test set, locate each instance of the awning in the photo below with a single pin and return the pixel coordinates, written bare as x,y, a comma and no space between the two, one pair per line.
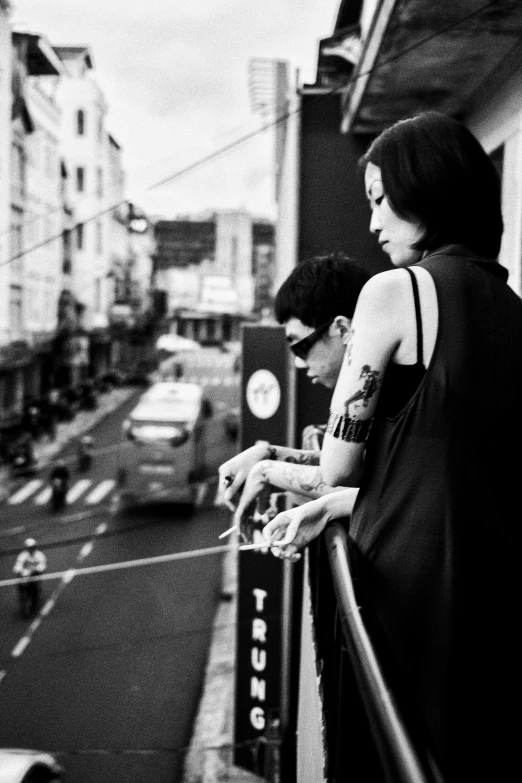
418,55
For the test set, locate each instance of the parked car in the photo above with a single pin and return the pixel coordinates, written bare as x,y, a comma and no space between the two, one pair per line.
29,766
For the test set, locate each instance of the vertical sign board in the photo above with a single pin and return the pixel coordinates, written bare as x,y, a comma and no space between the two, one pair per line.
264,402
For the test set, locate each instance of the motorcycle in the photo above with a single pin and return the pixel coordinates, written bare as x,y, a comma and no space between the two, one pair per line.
85,453
22,459
29,595
59,493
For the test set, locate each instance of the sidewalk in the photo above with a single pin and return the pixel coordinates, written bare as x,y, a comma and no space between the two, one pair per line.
209,759
83,421
45,450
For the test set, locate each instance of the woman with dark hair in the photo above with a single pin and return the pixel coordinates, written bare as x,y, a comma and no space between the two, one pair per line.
429,405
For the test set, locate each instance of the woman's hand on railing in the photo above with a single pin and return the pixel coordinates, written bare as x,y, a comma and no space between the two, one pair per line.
293,529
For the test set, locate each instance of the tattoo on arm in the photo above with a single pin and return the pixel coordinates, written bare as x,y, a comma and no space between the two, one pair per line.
371,381
293,477
304,481
304,458
349,345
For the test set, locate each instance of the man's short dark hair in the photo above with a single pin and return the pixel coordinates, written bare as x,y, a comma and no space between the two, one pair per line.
319,288
436,172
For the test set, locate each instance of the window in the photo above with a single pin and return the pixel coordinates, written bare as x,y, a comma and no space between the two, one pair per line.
67,252
97,295
79,236
15,308
16,241
233,258
80,179
99,237
99,181
18,171
80,122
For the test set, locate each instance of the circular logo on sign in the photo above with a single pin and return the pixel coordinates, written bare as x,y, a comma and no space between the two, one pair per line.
263,394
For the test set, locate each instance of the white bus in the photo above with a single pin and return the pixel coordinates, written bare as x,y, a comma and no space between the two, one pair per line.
168,438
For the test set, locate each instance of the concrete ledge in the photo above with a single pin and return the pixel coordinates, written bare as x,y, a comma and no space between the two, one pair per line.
209,758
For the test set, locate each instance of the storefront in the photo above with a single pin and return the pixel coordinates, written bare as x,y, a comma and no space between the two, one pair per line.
14,359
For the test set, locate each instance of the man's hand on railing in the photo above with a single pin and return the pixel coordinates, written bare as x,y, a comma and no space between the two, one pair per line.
233,473
292,530
255,485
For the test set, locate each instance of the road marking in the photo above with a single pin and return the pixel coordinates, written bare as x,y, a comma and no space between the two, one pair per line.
20,647
85,551
11,531
25,491
79,515
100,530
44,496
78,489
48,607
2,675
100,491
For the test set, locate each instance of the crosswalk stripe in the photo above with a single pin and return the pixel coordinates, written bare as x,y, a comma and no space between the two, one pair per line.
99,492
44,496
26,491
78,489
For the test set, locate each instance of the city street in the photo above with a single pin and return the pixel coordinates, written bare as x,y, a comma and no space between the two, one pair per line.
108,675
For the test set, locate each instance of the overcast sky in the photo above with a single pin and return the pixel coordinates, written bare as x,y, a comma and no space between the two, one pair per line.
175,75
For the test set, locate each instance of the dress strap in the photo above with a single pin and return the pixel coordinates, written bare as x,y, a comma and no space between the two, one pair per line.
416,299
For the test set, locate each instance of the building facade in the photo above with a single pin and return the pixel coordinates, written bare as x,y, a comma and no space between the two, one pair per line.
5,164
216,273
86,150
32,261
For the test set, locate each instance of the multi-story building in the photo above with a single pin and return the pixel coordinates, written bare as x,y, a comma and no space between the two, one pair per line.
89,153
32,257
5,154
39,273
212,271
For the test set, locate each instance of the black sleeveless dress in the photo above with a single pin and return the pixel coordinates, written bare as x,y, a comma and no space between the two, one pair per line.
435,526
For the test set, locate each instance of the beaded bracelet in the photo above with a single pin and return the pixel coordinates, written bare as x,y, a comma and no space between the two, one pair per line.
347,429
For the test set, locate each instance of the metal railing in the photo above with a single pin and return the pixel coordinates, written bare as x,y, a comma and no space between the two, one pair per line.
399,759
364,737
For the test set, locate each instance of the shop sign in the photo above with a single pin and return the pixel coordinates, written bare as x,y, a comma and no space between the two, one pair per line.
260,575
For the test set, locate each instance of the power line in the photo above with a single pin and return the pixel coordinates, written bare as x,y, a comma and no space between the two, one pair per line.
70,573
267,126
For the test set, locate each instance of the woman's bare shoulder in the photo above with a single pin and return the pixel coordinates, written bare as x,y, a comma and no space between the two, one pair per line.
386,291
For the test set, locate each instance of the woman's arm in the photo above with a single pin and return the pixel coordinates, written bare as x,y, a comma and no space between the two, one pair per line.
291,530
377,332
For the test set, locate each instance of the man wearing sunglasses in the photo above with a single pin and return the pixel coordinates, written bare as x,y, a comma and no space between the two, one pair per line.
316,305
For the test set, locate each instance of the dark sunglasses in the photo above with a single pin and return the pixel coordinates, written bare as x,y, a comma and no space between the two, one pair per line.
302,347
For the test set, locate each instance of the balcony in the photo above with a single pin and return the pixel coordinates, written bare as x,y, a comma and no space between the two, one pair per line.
337,719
